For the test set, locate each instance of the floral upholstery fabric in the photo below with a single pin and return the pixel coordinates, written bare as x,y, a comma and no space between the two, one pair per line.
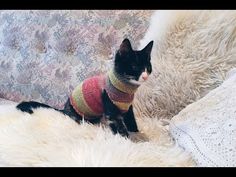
44,54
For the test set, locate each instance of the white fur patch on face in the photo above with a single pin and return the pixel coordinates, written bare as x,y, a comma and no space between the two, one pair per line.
143,77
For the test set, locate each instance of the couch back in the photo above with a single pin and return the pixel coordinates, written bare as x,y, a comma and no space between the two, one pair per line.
44,54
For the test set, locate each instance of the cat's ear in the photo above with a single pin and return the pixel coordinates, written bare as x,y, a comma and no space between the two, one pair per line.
148,48
125,47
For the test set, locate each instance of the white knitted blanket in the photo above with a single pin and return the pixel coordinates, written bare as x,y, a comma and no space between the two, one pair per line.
207,128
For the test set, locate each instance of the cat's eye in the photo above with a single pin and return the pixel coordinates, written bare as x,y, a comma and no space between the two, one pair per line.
149,69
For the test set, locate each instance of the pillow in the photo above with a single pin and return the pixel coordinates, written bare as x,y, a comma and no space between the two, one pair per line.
207,128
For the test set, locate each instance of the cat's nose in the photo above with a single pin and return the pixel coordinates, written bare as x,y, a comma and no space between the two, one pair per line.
144,75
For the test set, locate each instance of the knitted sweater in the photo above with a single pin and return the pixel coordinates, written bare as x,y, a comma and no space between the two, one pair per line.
86,98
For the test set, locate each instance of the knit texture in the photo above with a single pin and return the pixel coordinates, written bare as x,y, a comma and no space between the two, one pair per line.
86,97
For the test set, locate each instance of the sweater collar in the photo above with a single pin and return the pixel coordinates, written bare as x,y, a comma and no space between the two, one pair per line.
120,83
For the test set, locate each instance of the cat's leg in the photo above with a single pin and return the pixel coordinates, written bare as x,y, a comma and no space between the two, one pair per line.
130,122
117,126
112,116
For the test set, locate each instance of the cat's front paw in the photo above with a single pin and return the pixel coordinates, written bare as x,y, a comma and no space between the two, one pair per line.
138,137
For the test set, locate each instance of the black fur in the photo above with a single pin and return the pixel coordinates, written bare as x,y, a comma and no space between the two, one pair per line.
129,64
29,106
113,116
129,120
69,110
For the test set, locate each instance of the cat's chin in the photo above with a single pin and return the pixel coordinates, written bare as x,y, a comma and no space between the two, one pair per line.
135,82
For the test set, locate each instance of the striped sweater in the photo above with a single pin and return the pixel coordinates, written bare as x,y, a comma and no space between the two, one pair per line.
86,98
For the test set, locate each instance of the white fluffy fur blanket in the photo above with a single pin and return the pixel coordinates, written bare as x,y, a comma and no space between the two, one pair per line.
192,52
48,138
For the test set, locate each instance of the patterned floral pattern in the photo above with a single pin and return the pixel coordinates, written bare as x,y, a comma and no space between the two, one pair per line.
44,54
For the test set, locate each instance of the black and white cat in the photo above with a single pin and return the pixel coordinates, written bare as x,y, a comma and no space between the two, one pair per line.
134,66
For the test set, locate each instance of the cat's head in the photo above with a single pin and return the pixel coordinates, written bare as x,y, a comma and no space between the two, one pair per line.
133,65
